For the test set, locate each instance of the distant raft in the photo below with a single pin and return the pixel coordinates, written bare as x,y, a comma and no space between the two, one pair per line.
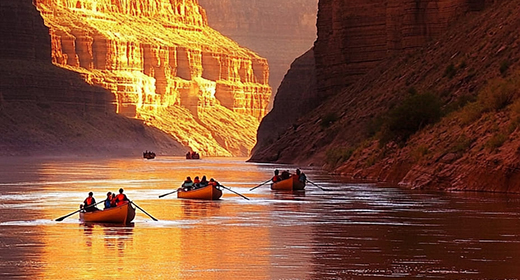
205,193
123,214
291,184
192,155
148,155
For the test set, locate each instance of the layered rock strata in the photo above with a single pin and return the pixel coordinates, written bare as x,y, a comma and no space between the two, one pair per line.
159,55
48,110
472,68
355,36
278,30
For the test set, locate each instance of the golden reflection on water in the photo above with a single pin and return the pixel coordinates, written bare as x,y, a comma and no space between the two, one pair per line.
193,239
352,231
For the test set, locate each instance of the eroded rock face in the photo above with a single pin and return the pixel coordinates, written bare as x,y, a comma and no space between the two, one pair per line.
158,56
48,110
355,36
23,34
278,30
296,97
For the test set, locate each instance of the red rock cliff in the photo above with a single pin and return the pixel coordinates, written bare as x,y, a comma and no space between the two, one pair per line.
165,65
472,68
355,36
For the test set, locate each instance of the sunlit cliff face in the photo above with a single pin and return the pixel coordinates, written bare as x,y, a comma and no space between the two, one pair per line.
166,66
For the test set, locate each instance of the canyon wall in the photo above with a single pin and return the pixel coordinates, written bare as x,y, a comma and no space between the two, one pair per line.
296,96
165,65
471,68
277,30
355,36
48,110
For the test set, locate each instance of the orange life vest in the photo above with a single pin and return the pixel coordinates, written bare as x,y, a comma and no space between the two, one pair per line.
120,199
88,201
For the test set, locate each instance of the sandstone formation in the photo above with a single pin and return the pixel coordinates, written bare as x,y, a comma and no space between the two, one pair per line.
355,36
278,30
47,110
471,66
165,65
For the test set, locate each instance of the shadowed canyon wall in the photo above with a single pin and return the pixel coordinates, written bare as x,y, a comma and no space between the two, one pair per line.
278,30
471,68
355,36
165,65
296,97
46,110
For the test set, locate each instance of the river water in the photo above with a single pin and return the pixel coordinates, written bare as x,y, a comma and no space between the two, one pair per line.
346,231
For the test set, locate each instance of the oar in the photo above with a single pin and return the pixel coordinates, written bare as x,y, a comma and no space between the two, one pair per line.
233,192
143,211
317,185
260,185
163,195
68,215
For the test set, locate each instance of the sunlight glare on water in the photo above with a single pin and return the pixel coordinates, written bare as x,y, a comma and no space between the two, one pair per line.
345,231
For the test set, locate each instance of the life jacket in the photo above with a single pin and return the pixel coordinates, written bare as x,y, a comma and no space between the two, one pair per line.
196,181
108,203
89,201
276,179
120,199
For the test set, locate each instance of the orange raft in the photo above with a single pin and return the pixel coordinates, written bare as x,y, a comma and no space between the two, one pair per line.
123,214
206,193
291,184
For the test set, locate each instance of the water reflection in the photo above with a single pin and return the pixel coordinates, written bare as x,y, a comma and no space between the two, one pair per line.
199,208
350,231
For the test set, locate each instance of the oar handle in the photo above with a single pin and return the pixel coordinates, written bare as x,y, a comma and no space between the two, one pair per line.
137,206
234,192
260,185
163,195
68,215
316,185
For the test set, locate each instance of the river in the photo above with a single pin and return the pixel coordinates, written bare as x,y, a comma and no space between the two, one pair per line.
342,231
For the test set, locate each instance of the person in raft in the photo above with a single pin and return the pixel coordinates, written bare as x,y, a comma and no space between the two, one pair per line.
89,203
188,184
300,176
203,182
196,182
276,177
121,198
108,200
214,183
